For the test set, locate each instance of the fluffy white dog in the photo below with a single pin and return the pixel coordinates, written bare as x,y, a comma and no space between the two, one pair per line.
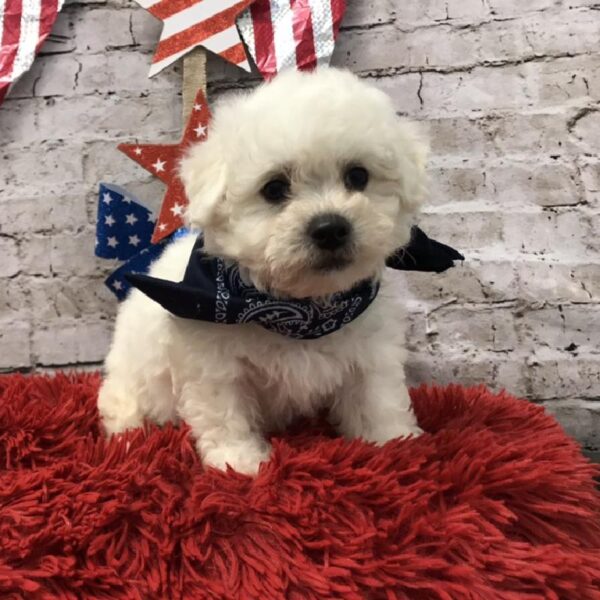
308,183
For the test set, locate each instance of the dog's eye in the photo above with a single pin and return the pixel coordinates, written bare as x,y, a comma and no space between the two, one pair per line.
276,190
356,178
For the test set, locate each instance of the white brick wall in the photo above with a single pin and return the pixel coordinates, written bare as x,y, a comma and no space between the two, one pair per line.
510,94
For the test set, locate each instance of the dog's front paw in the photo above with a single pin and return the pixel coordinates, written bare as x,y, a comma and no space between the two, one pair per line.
244,456
118,411
384,432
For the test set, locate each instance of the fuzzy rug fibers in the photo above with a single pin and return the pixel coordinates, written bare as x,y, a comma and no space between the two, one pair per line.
493,502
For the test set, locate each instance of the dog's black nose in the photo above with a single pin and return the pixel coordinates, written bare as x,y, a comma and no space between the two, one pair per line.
329,231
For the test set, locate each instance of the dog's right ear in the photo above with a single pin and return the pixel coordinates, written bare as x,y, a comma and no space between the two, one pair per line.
412,151
203,173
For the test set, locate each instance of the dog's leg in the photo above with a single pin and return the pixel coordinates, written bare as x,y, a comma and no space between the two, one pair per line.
388,408
376,406
118,406
125,400
221,421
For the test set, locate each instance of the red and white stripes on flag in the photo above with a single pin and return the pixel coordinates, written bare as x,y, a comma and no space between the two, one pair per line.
24,26
191,23
299,34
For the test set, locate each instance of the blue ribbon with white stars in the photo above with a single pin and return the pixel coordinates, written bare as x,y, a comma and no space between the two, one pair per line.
124,232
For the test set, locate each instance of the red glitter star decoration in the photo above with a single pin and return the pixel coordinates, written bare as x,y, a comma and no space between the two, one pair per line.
162,160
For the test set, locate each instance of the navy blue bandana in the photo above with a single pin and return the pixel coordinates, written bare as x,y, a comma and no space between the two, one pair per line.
214,291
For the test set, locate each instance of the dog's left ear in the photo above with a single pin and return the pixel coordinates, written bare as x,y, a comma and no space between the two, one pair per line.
412,152
203,172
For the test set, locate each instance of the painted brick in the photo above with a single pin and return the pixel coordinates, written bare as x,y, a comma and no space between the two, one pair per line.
14,301
369,12
567,80
473,281
467,230
404,91
448,46
42,169
409,14
20,129
66,259
586,130
81,341
542,134
541,183
490,329
114,71
456,136
15,341
62,211
570,328
512,8
546,183
115,25
541,281
556,374
34,255
590,177
449,185
580,419
53,75
480,90
470,368
145,29
9,264
101,116
73,297
563,234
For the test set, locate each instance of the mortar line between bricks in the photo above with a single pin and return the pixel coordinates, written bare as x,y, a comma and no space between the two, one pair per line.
463,24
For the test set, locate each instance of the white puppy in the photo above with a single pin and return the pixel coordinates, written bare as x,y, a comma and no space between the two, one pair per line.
308,184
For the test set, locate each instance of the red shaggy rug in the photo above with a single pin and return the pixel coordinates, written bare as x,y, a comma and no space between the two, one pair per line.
493,502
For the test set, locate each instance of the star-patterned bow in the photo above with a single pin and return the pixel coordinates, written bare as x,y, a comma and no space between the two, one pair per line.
123,231
162,160
191,23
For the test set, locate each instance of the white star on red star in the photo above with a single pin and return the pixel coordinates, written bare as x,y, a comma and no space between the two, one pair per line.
159,165
177,210
200,131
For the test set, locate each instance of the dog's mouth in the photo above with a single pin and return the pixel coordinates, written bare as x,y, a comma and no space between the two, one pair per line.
336,260
332,263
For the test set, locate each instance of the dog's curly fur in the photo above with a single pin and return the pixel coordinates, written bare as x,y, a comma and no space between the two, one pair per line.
229,382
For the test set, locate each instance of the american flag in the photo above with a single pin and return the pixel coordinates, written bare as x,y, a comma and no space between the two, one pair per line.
191,23
123,231
296,34
24,26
